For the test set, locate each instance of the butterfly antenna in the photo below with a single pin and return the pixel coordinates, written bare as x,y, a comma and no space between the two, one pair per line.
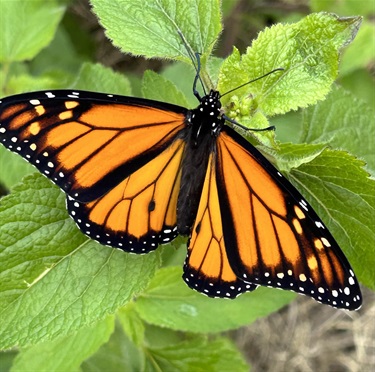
252,81
198,76
196,60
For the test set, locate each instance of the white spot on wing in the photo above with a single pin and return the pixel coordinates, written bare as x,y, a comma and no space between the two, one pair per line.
325,242
302,203
319,225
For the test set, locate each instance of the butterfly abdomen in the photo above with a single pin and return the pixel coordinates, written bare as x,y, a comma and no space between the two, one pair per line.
194,166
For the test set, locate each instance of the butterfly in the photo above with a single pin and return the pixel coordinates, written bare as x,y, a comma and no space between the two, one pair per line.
138,172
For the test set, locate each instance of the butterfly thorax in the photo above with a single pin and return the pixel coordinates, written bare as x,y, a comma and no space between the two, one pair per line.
204,125
205,119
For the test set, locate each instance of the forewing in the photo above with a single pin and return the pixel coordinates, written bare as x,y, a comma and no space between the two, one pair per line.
85,142
272,235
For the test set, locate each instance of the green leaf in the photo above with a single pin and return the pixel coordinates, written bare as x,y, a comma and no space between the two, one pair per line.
160,337
26,27
97,78
361,84
118,354
156,87
182,75
290,156
54,280
288,127
165,350
360,55
28,83
13,168
131,323
169,302
308,51
151,28
342,195
35,232
65,353
342,121
74,52
7,359
196,354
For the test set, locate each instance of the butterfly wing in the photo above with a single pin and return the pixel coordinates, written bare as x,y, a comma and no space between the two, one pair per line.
117,158
207,268
140,212
272,236
87,143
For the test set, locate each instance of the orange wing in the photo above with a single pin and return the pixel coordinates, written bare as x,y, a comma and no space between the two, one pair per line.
207,268
87,143
140,212
272,236
117,158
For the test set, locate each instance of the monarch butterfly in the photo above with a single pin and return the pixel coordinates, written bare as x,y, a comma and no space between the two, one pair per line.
139,172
